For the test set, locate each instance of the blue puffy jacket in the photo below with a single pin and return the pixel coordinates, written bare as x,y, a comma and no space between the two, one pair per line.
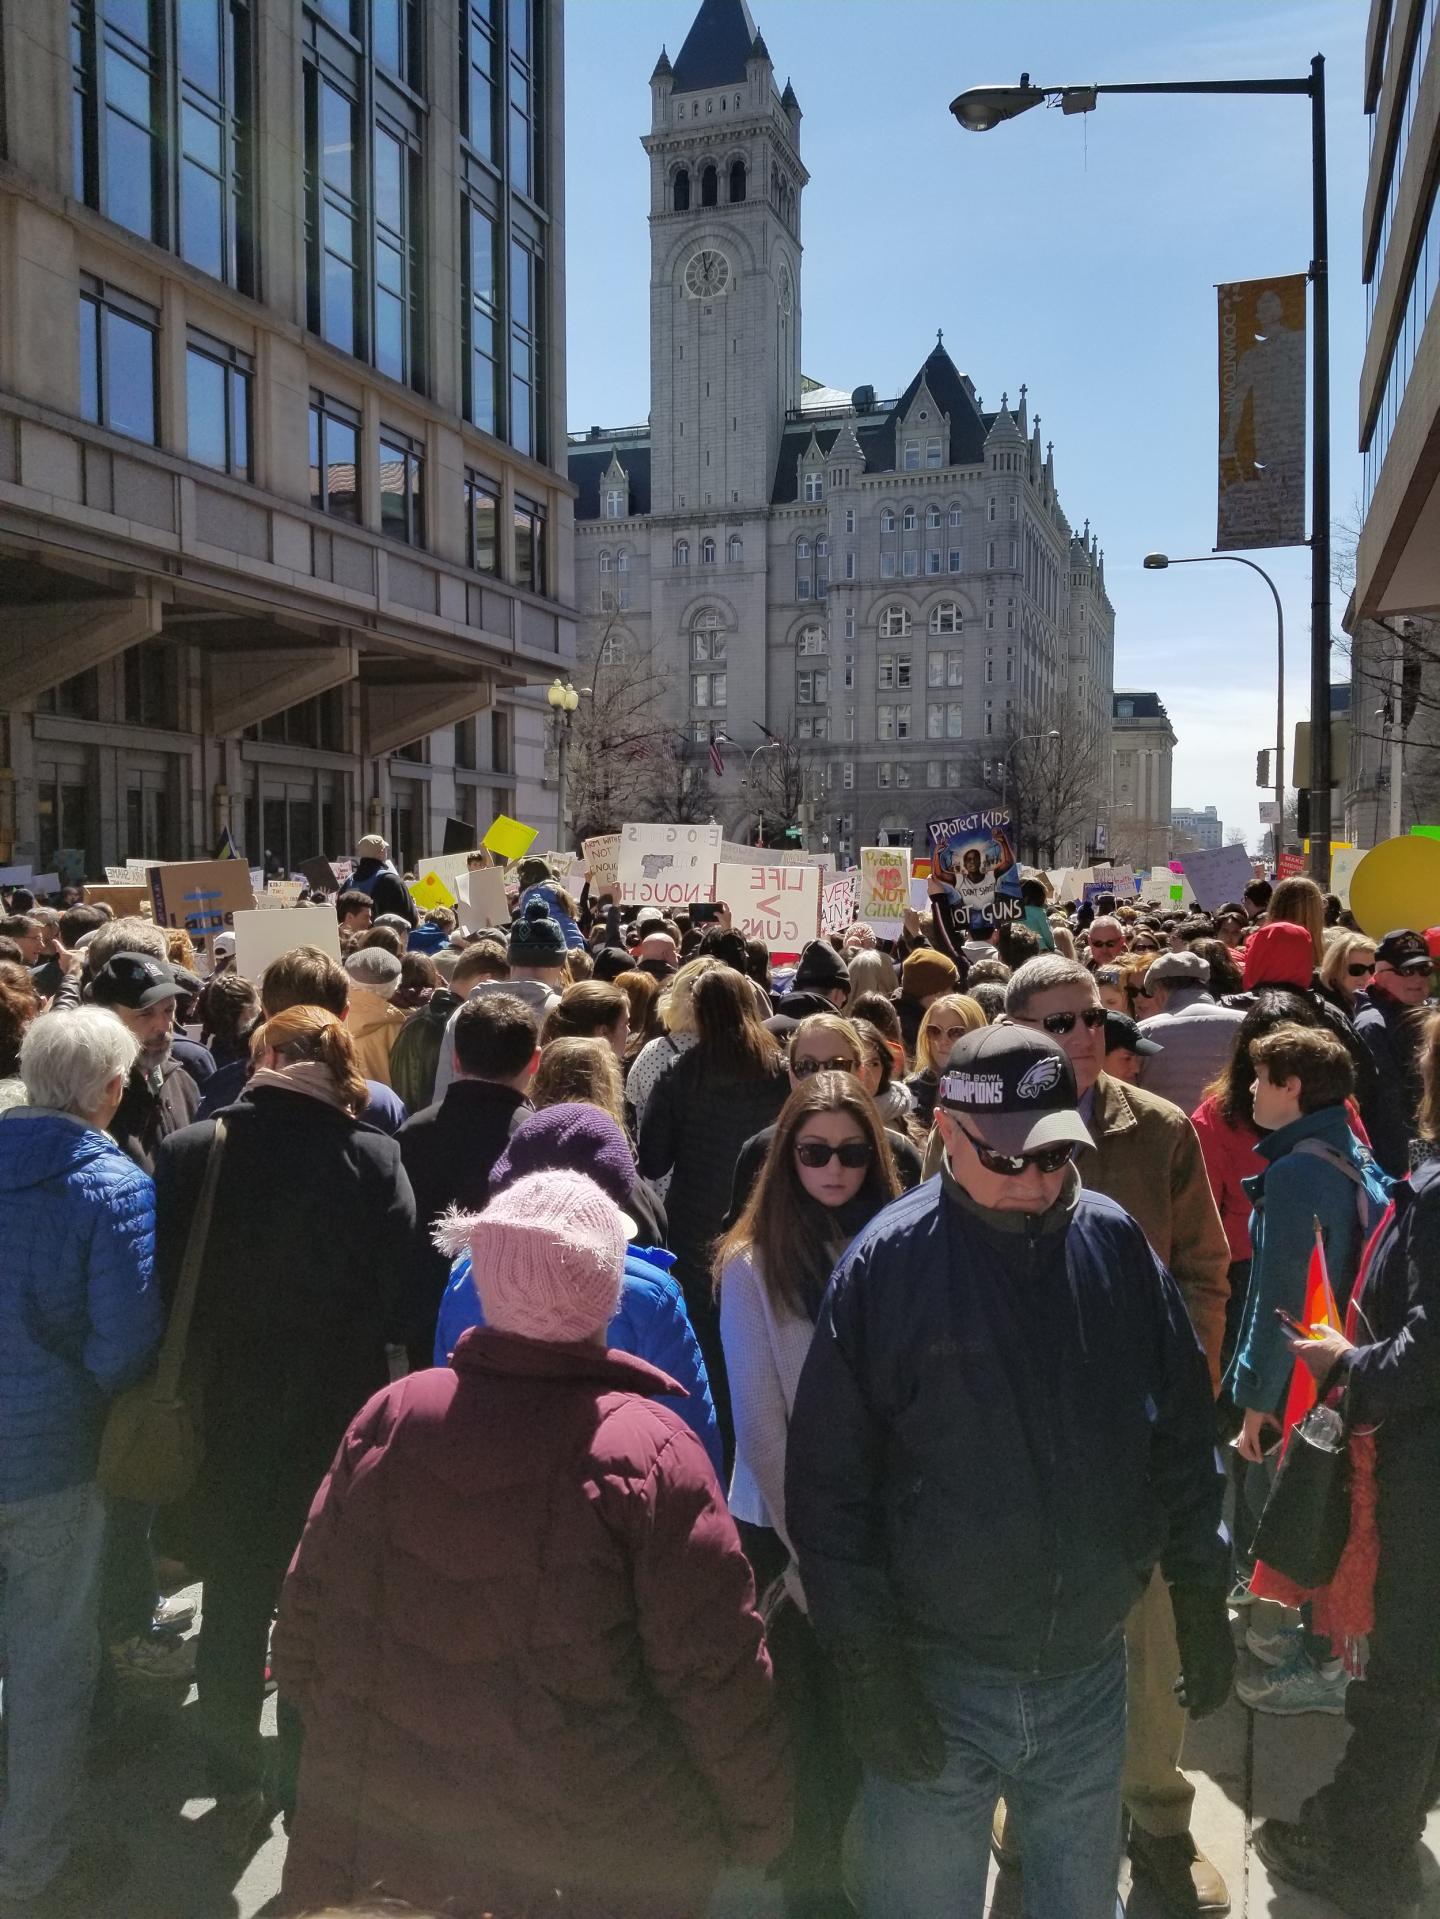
651,1323
79,1312
573,936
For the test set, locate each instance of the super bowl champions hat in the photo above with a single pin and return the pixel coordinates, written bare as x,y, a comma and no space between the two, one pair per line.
1014,1088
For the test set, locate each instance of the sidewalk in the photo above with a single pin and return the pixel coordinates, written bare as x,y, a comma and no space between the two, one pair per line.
150,1787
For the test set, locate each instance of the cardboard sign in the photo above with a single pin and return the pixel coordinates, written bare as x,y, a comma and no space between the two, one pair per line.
286,891
431,891
667,865
837,902
202,896
884,886
124,902
1342,869
133,873
602,857
510,839
261,937
320,873
1218,875
777,904
481,898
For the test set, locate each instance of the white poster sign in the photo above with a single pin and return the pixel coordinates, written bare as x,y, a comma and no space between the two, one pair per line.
667,865
884,885
602,857
261,937
481,899
837,902
777,904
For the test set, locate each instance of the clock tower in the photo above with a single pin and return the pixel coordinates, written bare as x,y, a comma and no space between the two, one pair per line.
725,187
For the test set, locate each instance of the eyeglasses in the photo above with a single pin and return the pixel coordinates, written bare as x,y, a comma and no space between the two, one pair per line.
803,1068
1049,1159
948,1032
1062,1023
1359,972
1144,991
818,1152
1105,945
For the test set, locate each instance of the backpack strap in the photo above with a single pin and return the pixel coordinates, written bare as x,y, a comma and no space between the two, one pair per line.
1339,1163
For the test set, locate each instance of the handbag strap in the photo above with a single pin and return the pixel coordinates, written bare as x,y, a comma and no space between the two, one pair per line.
177,1333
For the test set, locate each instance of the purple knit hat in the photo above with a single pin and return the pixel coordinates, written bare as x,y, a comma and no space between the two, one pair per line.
578,1138
546,1256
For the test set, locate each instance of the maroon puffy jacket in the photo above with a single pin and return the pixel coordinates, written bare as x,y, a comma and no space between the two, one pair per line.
521,1635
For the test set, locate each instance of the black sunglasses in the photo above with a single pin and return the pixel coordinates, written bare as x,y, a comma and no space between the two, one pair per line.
1049,1159
1061,1023
803,1068
818,1152
1359,972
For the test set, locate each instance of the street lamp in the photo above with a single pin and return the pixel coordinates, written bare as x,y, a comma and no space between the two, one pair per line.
1052,734
1157,563
979,109
769,746
563,700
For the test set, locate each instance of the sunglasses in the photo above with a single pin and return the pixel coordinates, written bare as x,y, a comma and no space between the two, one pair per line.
1359,972
1049,1159
1105,945
803,1068
1062,1023
949,1032
818,1152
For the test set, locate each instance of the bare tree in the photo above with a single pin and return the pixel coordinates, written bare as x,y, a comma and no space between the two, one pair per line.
781,786
676,782
1054,787
621,742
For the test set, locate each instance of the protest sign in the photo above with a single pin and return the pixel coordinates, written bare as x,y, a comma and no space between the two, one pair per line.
667,865
1288,865
799,856
884,888
481,899
510,839
133,873
430,891
320,873
777,904
202,896
20,875
1217,875
124,901
286,891
1342,867
261,937
602,854
975,854
837,902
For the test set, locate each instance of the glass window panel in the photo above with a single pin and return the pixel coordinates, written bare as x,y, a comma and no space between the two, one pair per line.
519,151
394,488
482,391
389,334
524,548
340,475
130,376
386,34
519,285
337,136
389,181
482,257
128,179
127,86
485,529
202,234
480,120
205,408
316,495
200,136
340,12
89,360
520,429
482,51
199,31
389,267
339,235
520,28
240,423
339,328
131,16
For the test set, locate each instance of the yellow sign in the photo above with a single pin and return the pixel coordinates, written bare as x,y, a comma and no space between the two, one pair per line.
1397,884
510,839
1262,413
430,891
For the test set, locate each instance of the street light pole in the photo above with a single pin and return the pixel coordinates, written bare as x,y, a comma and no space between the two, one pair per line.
769,746
563,700
1053,733
979,109
1156,563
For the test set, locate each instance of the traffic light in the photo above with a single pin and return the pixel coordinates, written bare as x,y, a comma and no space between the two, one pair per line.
1262,767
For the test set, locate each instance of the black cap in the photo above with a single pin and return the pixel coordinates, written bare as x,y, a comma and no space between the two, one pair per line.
1016,1089
136,982
1121,1032
820,965
1405,951
611,962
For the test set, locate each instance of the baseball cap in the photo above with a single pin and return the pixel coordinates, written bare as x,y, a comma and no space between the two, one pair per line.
1122,1032
136,982
1405,951
1015,1088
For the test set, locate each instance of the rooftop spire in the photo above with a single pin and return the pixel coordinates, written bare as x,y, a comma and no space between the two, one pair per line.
721,39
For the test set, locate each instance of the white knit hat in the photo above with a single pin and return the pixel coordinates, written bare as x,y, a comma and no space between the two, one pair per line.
547,1256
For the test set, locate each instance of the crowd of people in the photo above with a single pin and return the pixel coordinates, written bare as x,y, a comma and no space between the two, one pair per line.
662,1405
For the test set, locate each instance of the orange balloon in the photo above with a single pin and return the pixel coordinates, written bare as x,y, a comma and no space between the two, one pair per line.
1397,884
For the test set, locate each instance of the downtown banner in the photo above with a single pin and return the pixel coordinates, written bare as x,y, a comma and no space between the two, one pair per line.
1262,414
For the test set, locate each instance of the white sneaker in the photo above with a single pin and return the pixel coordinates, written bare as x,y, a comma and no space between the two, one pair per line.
1296,1688
1276,1648
148,1658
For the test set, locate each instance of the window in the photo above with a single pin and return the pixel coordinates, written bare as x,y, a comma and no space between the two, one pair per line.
402,504
956,516
932,772
117,360
946,617
802,549
902,773
989,553
603,563
811,640
932,561
847,677
707,689
682,553
822,549
954,772
850,563
902,669
480,64
912,563
707,638
531,559
709,187
707,552
812,726
613,650
957,564
945,719
334,458
680,192
849,623
911,459
622,560
481,308
847,775
396,294
885,671
932,516
887,566
882,773
989,717
217,404
933,454
1124,709
946,669
333,207
902,721
894,623
734,549
991,511
482,514
887,521
161,117
522,17
885,722
849,519
910,521
812,688
813,485
737,180
526,402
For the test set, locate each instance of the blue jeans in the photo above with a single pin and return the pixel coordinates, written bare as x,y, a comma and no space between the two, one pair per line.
50,1553
1053,1748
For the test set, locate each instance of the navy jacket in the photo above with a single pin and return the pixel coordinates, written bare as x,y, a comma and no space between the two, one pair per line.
1390,1035
998,1433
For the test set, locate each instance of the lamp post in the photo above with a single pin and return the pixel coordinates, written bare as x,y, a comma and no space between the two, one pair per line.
563,700
979,109
1156,563
1052,734
769,746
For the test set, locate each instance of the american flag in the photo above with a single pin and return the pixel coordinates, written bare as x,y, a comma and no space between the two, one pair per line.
716,757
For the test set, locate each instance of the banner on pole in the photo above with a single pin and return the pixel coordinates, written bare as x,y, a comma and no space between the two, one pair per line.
1262,414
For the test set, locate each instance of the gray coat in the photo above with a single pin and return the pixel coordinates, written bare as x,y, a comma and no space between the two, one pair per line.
1198,1037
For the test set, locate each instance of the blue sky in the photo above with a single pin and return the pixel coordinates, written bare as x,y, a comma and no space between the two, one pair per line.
1076,254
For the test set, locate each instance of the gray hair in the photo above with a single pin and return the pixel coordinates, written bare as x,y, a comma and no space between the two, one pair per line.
1040,975
130,935
68,1059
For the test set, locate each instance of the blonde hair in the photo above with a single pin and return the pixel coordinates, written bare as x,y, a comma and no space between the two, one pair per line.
830,1026
178,948
871,971
949,1006
584,1072
312,1033
1298,901
677,1000
1339,946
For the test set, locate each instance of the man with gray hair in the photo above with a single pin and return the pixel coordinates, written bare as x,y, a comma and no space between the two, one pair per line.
1107,940
1198,1036
1147,1159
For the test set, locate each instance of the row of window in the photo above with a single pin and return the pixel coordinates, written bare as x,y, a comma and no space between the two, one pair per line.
1424,34
709,181
1415,312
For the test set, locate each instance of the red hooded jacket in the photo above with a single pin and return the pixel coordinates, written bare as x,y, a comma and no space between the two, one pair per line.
1279,954
521,1636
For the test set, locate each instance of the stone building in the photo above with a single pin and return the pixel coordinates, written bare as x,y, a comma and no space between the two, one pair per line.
1141,770
1202,826
282,407
889,586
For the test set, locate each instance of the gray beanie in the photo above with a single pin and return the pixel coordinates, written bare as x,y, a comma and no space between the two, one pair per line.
374,969
536,940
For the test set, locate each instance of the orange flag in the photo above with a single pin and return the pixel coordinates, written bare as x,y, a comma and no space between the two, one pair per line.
1320,1308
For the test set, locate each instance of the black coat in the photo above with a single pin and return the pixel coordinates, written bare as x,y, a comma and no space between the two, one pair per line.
309,1270
1390,1035
449,1151
143,1120
388,892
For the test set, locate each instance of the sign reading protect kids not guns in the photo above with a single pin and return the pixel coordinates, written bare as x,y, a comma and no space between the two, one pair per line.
884,885
667,865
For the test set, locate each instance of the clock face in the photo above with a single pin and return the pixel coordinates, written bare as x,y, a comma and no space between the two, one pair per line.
707,274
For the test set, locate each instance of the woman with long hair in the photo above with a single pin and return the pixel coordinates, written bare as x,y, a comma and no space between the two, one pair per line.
590,1010
309,1271
1298,901
677,1017
585,1072
871,971
946,1020
828,1173
643,992
19,1005
1347,968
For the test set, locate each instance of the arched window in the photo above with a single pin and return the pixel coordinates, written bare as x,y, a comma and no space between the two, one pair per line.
811,639
605,560
682,553
737,180
682,190
622,561
707,552
802,549
707,636
613,650
894,623
887,521
932,516
909,522
945,618
709,187
735,549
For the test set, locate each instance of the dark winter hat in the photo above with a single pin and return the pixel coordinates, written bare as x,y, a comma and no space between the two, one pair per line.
536,940
1123,1035
821,966
569,1138
1405,951
136,982
611,962
1015,1088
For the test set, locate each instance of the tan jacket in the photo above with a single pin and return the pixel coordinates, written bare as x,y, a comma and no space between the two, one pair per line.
372,1025
1147,1159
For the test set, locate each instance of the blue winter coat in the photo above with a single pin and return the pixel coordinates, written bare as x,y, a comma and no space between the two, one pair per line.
651,1323
573,936
79,1311
1294,1190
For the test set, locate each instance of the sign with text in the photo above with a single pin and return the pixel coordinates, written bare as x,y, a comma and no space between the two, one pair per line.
1218,874
667,865
509,839
430,891
1288,865
261,937
1262,413
202,896
602,859
286,891
975,854
1343,862
777,904
884,886
837,902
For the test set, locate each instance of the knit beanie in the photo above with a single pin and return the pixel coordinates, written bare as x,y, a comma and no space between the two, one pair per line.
1279,954
374,969
569,1138
547,1256
926,972
821,967
611,962
536,939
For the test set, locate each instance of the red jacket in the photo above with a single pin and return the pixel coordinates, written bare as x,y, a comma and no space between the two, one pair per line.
1228,1147
521,1636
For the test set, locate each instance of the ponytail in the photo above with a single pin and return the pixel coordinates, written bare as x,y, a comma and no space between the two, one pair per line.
312,1033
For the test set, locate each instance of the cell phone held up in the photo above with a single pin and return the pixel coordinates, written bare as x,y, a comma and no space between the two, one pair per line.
703,911
1292,1324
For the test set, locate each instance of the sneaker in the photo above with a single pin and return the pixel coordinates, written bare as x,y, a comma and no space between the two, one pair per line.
1280,1647
1296,1688
88,1877
1299,1856
172,1615
150,1659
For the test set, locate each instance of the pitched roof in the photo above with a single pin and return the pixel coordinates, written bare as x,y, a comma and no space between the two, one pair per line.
716,47
588,465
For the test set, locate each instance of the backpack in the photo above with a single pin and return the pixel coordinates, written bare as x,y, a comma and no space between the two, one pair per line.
1372,1186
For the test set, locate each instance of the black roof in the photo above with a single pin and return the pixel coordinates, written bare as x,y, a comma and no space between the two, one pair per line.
1143,706
588,464
716,47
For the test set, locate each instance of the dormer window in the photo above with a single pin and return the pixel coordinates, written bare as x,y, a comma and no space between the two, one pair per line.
911,459
814,486
614,503
932,453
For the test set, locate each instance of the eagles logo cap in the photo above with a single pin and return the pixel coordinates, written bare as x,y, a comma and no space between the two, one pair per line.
1015,1089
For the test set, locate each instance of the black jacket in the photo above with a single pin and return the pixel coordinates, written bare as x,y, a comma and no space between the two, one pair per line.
756,1151
1390,1034
1001,1426
309,1270
388,892
791,1008
449,1151
143,1119
415,1056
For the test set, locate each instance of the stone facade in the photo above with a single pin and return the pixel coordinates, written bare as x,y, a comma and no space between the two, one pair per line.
1202,826
891,585
1141,771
